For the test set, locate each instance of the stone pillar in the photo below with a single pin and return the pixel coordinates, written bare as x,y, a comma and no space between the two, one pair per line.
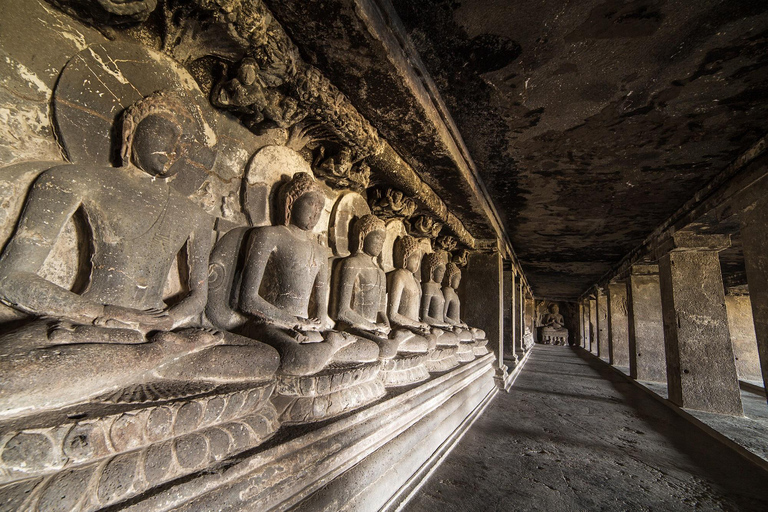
618,324
482,301
603,350
742,328
509,323
516,316
530,308
581,323
585,322
701,372
754,240
647,359
521,313
593,325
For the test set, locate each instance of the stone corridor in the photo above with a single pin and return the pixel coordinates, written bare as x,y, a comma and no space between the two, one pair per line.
574,434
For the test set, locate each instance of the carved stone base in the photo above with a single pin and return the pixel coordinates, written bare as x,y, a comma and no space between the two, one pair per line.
96,462
404,370
466,352
443,359
481,347
334,391
372,459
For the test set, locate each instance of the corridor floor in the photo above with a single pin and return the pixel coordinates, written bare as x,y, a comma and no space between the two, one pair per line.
573,434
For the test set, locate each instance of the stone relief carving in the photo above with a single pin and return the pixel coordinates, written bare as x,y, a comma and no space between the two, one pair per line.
129,388
340,171
445,243
552,329
425,226
388,203
361,306
281,295
473,340
108,12
433,312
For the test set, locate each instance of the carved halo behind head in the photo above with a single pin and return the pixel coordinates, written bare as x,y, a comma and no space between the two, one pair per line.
405,246
451,270
301,183
161,103
363,227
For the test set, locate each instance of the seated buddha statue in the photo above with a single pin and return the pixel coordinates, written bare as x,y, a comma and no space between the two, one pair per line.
361,305
118,331
552,329
452,314
433,312
281,298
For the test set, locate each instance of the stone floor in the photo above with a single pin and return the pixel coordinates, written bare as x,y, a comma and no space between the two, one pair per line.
750,431
573,434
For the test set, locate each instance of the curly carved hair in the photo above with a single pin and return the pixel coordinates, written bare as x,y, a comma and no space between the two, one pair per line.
404,247
301,183
364,226
161,103
451,269
431,261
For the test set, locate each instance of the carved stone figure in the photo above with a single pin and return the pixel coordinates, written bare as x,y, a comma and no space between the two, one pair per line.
552,329
468,335
433,312
339,171
391,203
361,302
252,93
425,226
109,12
138,224
281,299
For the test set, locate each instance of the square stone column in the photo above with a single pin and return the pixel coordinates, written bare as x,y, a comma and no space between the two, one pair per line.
618,324
509,318
742,328
521,313
482,301
701,372
754,240
603,348
581,323
647,358
517,320
593,325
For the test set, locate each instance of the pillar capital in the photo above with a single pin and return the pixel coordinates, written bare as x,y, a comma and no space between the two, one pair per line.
644,269
685,241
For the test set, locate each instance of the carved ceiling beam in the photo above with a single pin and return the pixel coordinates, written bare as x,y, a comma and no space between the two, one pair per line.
276,60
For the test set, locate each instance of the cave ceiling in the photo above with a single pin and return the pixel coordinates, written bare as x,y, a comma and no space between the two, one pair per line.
590,122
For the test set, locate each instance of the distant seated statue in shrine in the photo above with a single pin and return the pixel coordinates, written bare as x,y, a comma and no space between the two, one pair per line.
361,298
285,272
95,341
453,311
552,329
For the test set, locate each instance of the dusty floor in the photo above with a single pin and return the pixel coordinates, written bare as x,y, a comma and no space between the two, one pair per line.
573,434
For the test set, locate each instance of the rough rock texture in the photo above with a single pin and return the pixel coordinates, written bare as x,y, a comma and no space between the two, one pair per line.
742,330
599,445
591,122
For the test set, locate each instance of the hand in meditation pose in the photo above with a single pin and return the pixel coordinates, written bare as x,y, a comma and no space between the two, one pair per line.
138,225
553,319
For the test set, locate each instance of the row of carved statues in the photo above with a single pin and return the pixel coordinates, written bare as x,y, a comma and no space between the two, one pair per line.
257,308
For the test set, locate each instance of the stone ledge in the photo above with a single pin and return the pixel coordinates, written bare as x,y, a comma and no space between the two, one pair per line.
351,453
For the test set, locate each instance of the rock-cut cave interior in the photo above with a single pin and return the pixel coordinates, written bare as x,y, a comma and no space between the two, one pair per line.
383,255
